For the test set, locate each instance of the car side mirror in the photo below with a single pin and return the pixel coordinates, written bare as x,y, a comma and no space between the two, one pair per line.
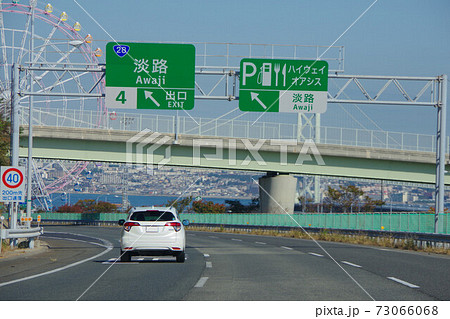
121,222
186,222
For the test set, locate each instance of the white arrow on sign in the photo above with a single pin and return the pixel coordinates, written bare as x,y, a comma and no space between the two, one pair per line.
148,95
254,96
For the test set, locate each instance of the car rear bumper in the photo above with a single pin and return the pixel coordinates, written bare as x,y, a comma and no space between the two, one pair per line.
154,252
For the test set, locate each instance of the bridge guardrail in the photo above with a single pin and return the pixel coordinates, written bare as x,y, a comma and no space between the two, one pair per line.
233,128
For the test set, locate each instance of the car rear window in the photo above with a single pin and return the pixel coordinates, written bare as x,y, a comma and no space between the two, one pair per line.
152,215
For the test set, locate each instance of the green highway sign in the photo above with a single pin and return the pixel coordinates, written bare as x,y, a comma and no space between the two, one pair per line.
150,76
273,85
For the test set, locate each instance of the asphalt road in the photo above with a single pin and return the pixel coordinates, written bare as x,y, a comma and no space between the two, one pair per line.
80,265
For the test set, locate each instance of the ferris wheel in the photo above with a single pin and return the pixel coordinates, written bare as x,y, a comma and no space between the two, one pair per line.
36,33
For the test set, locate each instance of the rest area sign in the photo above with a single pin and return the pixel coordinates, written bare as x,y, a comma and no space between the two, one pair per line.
294,86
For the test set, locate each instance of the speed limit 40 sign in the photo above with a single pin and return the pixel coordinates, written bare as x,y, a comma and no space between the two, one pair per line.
12,188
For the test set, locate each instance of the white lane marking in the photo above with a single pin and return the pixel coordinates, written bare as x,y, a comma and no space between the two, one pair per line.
351,264
289,248
110,261
201,282
317,255
206,255
410,285
213,237
108,245
236,239
259,242
208,264
73,239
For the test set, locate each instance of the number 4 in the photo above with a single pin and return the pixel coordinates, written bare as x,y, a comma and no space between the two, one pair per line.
121,97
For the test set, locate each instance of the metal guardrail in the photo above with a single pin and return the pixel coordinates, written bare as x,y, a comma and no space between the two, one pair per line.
416,227
420,239
21,233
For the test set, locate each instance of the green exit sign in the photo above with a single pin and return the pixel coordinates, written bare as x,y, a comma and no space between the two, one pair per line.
150,76
273,85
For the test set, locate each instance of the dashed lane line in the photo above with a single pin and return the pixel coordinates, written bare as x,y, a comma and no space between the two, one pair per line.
201,282
260,243
288,248
351,264
317,255
408,284
208,264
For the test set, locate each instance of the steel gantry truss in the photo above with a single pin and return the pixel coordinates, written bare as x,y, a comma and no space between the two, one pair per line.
222,83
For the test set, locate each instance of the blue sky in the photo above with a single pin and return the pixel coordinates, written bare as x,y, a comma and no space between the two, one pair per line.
395,37
400,37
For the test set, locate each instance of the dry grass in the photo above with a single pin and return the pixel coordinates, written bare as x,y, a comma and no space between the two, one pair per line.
5,248
388,242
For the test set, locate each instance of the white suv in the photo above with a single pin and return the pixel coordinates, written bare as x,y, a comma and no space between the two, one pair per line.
153,231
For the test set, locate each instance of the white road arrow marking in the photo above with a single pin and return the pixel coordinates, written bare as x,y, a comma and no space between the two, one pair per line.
148,95
254,96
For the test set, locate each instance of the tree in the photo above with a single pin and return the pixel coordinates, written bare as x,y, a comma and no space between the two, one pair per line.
5,139
370,204
69,209
350,197
88,206
235,206
208,207
305,202
347,197
180,204
333,198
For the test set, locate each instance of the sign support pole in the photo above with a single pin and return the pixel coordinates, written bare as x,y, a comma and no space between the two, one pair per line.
30,120
440,155
14,141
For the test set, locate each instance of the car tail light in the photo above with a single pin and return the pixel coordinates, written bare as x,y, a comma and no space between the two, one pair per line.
175,225
127,226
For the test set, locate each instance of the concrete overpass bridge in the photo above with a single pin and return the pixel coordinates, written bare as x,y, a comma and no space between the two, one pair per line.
234,153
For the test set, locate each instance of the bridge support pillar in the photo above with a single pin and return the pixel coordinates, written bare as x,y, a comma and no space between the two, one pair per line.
277,193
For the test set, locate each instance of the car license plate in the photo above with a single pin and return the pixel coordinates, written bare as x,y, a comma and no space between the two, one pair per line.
152,229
